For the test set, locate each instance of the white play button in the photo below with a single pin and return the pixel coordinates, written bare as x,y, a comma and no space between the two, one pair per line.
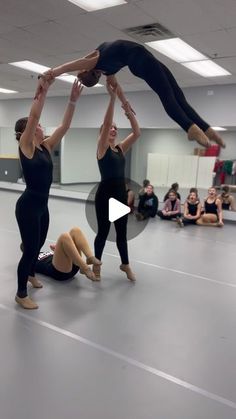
117,209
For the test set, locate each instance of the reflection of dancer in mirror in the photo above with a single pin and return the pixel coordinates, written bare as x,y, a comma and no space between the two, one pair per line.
110,57
32,206
111,162
65,260
227,200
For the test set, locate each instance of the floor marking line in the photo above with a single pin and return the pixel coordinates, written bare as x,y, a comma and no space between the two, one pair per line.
125,358
164,268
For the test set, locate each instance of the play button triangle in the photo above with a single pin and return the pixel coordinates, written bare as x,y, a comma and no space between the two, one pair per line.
117,209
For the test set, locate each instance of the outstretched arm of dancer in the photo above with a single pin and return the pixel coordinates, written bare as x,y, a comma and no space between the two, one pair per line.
27,138
103,139
129,112
59,133
82,64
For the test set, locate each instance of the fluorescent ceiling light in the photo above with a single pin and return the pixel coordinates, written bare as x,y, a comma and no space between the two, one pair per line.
39,69
91,5
7,91
177,50
219,129
30,66
207,68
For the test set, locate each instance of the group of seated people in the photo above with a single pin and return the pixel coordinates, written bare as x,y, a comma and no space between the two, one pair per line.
194,212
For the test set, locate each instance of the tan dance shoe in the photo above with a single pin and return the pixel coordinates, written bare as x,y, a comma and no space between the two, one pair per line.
128,271
26,303
196,134
214,136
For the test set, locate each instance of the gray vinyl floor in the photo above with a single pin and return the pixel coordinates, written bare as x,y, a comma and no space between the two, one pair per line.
164,348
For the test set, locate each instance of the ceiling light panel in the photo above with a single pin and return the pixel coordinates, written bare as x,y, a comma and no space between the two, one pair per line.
177,50
92,5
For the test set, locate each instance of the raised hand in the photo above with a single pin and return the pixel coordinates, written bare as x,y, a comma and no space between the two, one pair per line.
112,90
76,90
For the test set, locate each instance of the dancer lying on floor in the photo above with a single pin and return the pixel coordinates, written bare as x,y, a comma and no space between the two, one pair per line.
65,259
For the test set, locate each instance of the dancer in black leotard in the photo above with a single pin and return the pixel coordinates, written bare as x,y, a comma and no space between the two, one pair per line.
31,208
65,259
192,210
111,162
110,57
212,215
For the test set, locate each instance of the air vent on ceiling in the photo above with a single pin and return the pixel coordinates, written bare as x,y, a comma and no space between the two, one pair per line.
150,32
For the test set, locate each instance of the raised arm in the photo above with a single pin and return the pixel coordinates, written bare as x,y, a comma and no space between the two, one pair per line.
129,112
59,133
27,138
85,63
103,139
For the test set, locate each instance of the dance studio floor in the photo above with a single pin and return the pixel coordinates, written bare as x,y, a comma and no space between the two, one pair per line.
164,348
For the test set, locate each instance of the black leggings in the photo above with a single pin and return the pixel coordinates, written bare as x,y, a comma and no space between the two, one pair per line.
144,65
33,219
105,191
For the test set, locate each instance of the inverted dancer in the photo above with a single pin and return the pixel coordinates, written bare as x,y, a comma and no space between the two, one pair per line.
65,259
109,57
111,162
32,207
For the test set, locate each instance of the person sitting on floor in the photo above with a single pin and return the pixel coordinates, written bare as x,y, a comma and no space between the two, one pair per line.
192,210
148,204
227,200
212,215
142,191
174,187
65,260
172,207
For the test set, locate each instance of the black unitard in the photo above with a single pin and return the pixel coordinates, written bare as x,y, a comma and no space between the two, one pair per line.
211,208
32,212
44,266
115,55
192,210
112,185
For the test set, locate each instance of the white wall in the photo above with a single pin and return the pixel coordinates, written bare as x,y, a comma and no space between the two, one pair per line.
215,103
78,151
8,143
79,147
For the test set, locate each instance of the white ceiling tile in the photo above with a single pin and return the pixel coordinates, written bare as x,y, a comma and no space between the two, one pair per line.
57,31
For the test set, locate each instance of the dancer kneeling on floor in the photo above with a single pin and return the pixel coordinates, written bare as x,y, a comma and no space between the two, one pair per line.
192,210
65,259
172,207
212,215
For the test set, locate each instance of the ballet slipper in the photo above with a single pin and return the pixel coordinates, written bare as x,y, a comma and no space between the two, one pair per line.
97,272
35,282
196,134
91,260
128,271
26,303
214,136
89,274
